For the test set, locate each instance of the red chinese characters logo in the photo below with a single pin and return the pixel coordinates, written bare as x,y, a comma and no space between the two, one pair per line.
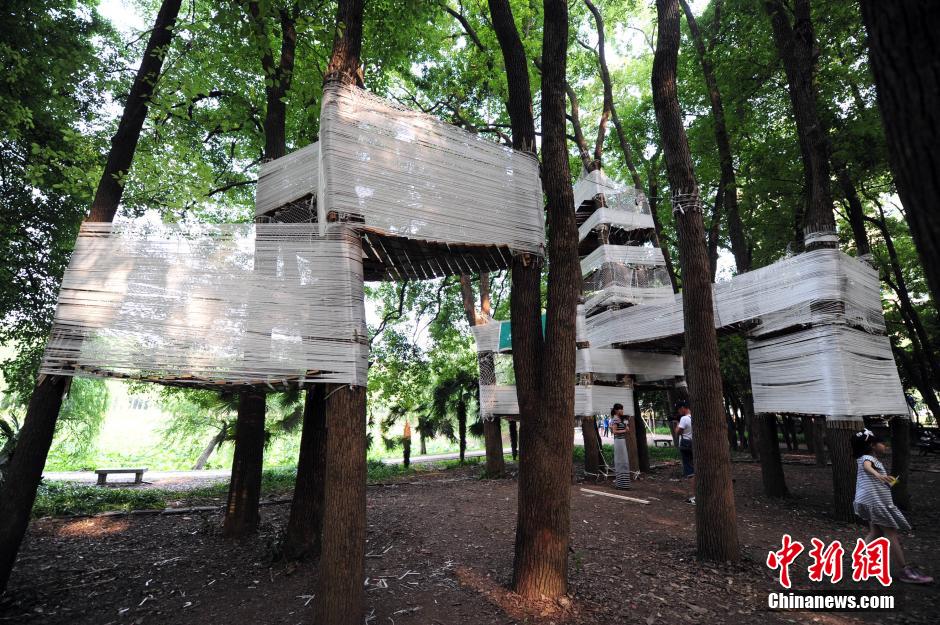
827,561
783,558
872,560
869,560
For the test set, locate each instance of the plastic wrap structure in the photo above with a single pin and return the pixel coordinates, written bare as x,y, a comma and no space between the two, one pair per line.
616,196
822,286
500,400
212,305
431,199
837,371
625,274
287,187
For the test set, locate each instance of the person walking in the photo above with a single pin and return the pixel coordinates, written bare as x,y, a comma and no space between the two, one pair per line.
606,426
873,502
620,428
683,432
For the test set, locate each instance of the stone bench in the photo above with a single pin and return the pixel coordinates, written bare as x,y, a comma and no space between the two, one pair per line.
104,473
662,442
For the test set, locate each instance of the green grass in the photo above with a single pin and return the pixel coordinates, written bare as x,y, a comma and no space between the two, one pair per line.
67,498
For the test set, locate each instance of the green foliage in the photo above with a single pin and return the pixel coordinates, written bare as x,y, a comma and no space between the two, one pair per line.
65,498
79,424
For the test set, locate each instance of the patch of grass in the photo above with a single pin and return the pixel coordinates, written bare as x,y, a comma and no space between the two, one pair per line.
63,498
657,454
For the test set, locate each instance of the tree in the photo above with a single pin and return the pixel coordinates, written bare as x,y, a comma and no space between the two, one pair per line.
715,522
342,555
492,430
305,522
906,65
25,470
796,45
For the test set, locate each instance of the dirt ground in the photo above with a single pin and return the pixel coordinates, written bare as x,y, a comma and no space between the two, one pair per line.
440,552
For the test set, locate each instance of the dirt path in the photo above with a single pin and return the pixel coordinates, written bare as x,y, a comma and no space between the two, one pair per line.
440,551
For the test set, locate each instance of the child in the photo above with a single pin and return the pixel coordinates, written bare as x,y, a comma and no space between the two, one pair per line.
873,502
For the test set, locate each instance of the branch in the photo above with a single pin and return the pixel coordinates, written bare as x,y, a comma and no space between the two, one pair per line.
230,185
583,150
394,315
466,26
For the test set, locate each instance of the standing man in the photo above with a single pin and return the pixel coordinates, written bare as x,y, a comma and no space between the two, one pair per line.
684,433
606,426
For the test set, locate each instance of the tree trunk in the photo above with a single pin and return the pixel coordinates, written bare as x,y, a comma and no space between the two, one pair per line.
819,441
639,426
592,446
806,424
855,211
905,62
901,461
462,433
493,439
728,188
244,492
305,523
715,518
19,490
514,438
771,468
25,470
277,75
207,452
424,445
543,528
339,595
124,142
748,409
796,46
839,434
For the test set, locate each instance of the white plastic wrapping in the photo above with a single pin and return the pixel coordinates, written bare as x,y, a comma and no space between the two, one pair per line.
289,179
651,365
615,218
616,195
835,371
406,174
500,400
212,304
822,286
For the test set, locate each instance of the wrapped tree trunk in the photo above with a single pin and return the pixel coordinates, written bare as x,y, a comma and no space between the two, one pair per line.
715,519
340,592
19,491
306,509
796,46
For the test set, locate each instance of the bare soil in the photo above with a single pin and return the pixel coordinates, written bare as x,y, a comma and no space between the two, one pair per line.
440,551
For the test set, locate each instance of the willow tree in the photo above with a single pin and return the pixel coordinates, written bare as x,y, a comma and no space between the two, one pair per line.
29,457
715,521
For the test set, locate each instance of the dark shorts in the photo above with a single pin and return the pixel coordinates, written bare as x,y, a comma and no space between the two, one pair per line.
688,468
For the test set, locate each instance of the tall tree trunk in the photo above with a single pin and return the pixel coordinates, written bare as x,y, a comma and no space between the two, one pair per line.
542,532
340,592
462,433
839,434
207,452
796,46
19,490
806,424
424,444
339,595
241,511
124,142
514,438
855,210
901,460
715,519
819,441
905,62
653,177
492,435
728,188
639,426
592,445
305,523
25,470
768,445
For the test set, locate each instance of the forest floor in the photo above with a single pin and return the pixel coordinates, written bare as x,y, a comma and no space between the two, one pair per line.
440,551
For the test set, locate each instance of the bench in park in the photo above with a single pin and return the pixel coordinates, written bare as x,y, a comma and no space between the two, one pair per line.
662,442
104,473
